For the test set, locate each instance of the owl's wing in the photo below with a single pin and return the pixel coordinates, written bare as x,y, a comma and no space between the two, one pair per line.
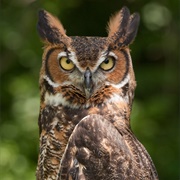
96,150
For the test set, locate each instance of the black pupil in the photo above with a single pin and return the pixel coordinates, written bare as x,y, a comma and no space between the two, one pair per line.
68,61
106,61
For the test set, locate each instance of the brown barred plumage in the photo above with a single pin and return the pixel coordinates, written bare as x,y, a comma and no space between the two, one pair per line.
87,87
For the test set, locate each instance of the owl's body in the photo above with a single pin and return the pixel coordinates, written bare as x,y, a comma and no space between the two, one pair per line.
87,88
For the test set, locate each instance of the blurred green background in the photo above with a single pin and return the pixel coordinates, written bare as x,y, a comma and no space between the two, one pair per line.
155,56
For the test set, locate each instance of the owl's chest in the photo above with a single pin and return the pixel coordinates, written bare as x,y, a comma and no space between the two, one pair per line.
60,120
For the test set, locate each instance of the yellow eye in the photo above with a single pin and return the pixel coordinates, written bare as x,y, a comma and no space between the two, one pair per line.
108,64
66,63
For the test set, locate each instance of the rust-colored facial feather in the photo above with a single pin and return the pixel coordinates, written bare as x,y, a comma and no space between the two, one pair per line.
53,69
121,67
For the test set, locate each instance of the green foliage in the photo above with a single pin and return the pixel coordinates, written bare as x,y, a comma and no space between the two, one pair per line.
155,56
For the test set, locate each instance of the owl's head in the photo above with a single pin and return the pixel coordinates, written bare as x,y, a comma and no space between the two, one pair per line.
87,71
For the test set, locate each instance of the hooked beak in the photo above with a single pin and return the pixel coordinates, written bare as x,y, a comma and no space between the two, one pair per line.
88,82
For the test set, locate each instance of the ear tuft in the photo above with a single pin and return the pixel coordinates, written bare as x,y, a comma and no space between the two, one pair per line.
122,27
49,27
118,20
132,28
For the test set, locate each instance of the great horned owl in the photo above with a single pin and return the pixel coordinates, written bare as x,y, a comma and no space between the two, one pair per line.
87,87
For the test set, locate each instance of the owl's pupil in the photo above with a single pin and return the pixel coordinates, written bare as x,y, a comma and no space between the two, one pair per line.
68,61
106,61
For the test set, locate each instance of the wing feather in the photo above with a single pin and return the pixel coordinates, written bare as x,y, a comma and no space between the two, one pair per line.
96,150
